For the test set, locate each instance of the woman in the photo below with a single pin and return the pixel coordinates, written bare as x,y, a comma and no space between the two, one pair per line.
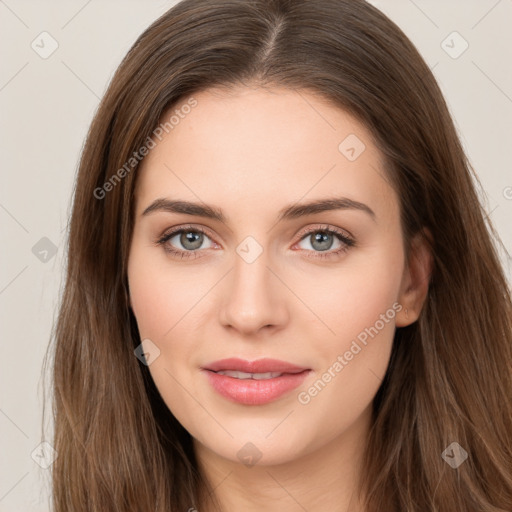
281,291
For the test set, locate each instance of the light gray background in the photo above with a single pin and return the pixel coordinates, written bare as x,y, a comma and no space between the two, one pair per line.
47,105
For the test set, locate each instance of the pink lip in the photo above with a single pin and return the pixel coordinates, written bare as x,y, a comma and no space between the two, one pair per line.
251,391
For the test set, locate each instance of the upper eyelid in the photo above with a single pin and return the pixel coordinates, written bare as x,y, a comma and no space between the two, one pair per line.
176,230
325,227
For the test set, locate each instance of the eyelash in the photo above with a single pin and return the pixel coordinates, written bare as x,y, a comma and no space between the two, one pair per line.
342,237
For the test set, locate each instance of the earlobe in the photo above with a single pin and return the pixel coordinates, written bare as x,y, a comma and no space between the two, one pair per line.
416,279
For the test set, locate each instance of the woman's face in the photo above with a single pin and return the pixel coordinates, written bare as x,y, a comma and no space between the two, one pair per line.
262,273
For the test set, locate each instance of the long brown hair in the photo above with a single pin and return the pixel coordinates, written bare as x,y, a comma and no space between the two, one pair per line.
450,375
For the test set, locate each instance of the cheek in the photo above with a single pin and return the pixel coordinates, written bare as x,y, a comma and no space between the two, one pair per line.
168,302
351,299
161,299
163,304
359,307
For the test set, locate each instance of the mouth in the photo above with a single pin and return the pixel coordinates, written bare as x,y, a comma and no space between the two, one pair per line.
254,382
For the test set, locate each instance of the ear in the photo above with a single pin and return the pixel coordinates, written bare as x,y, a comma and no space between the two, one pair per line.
415,279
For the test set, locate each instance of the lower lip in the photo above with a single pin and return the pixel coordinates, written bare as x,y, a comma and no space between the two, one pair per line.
252,391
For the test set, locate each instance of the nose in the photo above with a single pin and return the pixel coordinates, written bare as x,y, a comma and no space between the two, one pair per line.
254,298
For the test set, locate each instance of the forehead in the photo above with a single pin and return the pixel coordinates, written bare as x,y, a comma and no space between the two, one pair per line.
263,147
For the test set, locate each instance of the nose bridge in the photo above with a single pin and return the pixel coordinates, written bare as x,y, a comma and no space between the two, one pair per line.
254,298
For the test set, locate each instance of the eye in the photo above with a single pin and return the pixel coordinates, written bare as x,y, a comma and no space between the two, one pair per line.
320,242
329,241
191,240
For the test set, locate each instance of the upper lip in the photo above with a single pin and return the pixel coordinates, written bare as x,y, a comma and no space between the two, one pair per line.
259,366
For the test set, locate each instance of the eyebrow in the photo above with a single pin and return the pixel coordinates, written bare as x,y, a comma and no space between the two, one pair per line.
290,212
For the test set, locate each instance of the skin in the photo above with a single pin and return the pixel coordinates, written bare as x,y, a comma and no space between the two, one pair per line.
251,152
